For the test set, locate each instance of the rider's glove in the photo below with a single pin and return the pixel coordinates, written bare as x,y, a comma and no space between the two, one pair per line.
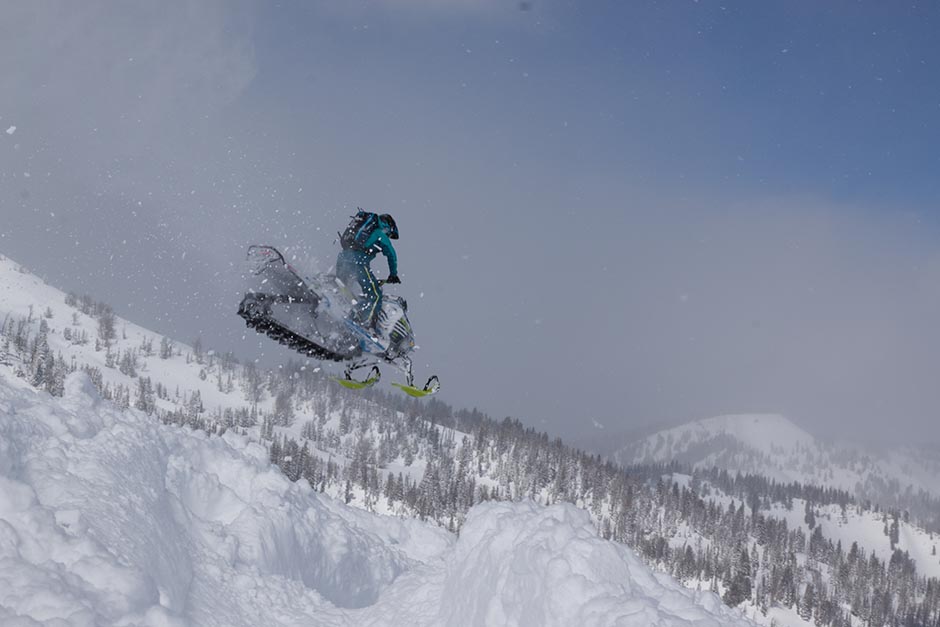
393,278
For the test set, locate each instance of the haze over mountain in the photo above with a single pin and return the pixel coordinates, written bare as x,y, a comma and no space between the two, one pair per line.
773,446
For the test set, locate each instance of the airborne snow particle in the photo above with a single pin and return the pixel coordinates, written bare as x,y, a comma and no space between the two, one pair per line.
11,130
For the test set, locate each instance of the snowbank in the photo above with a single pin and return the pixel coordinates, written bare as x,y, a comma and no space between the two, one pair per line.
110,518
533,565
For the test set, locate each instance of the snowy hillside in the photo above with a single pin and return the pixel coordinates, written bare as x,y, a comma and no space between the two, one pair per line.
773,446
108,517
130,354
867,529
502,485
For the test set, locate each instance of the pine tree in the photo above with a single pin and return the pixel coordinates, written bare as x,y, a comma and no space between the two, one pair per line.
274,453
198,353
166,348
55,382
787,585
145,397
194,405
808,602
737,579
743,574
122,396
253,383
128,363
283,408
39,367
303,459
106,326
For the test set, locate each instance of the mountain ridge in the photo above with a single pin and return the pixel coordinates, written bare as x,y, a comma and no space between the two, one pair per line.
772,445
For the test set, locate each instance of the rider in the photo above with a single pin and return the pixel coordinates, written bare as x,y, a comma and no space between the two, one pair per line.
367,235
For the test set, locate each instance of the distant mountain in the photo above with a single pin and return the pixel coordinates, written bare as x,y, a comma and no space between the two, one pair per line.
773,446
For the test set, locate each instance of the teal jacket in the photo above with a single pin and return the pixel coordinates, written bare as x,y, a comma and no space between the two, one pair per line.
377,243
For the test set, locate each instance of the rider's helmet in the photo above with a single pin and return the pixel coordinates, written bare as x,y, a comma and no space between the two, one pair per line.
390,227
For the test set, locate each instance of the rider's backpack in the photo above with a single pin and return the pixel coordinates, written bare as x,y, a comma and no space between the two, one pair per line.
361,227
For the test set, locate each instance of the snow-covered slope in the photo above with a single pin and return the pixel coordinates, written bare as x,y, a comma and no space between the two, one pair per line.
108,517
302,551
867,529
773,446
24,295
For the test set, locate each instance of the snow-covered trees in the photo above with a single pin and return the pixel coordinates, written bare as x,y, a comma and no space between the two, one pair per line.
166,348
37,363
428,460
107,331
283,408
252,383
146,400
40,365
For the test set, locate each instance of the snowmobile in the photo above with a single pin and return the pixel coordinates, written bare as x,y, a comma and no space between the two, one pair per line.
311,316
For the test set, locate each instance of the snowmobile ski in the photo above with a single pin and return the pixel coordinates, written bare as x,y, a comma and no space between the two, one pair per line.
352,384
431,387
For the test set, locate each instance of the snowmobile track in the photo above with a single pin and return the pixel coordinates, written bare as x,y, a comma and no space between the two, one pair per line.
283,335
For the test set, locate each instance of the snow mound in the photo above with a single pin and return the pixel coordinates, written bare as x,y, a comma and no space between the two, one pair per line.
108,517
533,565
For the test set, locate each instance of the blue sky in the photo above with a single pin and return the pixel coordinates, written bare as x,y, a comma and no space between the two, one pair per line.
629,212
838,99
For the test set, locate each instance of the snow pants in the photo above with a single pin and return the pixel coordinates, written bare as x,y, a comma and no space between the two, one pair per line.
352,267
